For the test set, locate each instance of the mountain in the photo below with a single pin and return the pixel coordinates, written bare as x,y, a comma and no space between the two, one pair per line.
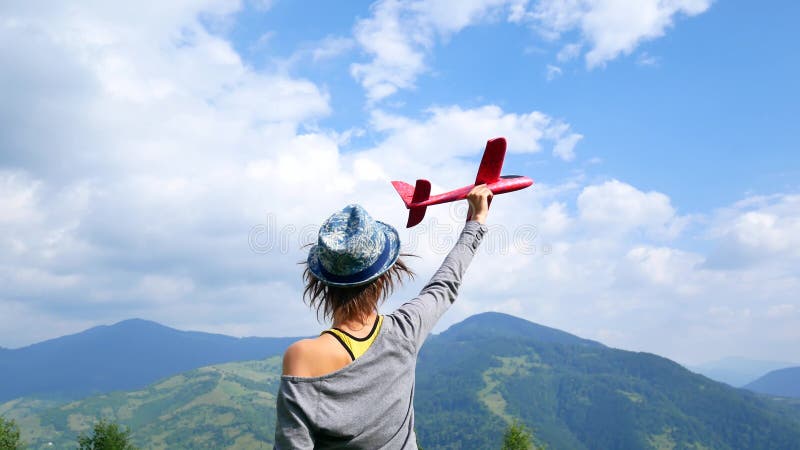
476,377
736,371
782,383
499,326
127,355
472,380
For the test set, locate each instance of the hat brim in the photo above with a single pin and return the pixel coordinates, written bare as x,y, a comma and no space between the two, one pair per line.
392,245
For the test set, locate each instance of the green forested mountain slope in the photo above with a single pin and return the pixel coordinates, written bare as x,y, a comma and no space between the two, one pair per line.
225,406
579,394
472,380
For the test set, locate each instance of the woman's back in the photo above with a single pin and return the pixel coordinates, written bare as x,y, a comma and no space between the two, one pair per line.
368,404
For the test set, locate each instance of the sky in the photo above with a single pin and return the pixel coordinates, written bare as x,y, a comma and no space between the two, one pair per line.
169,161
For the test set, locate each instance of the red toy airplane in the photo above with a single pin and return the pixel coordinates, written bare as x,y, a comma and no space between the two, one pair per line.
418,198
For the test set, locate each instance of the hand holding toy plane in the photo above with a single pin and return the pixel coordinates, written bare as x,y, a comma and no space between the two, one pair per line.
418,198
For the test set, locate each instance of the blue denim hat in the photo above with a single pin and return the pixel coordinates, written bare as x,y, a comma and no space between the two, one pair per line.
353,248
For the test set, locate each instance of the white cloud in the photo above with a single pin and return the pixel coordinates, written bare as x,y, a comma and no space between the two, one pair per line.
609,27
274,99
553,72
614,27
400,35
569,52
17,199
398,55
262,5
331,47
452,131
555,219
565,148
451,16
647,60
782,310
757,230
164,288
662,266
619,207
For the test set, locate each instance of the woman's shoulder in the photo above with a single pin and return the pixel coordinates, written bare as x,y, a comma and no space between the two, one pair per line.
314,357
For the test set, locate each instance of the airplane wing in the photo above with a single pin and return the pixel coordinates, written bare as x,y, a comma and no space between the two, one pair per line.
491,164
492,161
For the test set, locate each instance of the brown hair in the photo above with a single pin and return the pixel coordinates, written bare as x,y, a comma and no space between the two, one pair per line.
357,302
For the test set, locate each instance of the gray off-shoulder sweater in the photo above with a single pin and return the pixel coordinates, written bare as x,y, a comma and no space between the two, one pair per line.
369,404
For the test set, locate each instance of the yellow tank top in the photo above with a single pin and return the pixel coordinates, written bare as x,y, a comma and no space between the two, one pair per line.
356,346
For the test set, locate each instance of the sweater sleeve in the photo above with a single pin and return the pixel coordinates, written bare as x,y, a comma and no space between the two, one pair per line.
417,317
292,425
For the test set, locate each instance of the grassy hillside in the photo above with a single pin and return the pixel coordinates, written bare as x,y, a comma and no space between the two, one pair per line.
225,406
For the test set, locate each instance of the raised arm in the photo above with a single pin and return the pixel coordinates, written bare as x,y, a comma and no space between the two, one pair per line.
418,316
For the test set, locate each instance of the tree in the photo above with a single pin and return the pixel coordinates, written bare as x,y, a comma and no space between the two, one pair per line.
106,436
9,435
519,437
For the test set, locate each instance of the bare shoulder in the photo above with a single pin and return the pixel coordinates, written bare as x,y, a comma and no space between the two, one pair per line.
297,356
314,357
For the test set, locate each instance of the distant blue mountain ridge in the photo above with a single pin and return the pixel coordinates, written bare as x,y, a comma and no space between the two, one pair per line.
134,353
738,371
127,355
782,382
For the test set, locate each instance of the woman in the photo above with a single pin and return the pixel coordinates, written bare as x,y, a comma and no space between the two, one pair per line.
353,386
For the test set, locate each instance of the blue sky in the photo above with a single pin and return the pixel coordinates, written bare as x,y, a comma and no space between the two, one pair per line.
718,96
145,149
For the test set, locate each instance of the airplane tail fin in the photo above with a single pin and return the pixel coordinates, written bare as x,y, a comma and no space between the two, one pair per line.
422,191
414,194
405,190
